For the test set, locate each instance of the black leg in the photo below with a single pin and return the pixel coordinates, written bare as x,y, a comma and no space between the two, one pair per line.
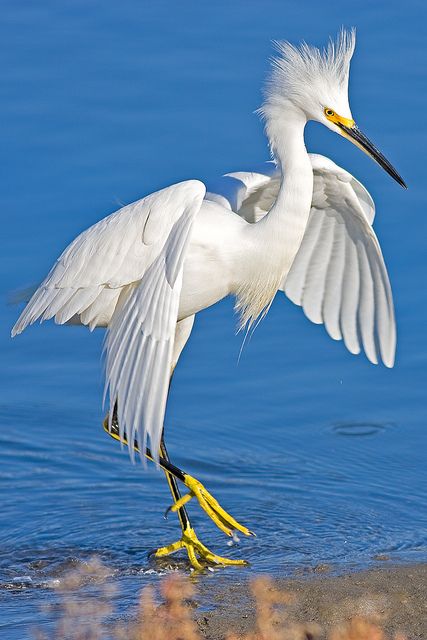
173,486
197,552
164,462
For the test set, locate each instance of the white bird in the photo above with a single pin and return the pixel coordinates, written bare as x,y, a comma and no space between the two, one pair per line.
301,225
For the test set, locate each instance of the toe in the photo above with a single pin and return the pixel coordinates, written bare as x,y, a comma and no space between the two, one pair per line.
171,548
213,558
192,557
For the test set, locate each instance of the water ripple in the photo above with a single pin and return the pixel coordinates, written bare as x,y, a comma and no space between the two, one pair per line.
360,429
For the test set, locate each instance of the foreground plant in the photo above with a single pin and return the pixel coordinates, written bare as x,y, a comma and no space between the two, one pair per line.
86,607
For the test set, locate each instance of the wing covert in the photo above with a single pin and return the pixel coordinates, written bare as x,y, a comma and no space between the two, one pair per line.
112,254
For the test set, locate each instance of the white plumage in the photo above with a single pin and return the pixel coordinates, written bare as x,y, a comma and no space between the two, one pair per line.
126,272
338,276
310,77
301,225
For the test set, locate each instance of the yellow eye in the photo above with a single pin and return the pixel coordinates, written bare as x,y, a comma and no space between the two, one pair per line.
329,112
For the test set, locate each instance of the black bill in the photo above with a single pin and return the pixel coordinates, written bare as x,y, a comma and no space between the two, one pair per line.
355,135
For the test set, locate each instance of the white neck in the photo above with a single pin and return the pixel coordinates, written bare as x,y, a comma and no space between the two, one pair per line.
277,237
285,223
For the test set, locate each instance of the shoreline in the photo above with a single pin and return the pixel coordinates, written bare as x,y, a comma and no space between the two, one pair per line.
396,596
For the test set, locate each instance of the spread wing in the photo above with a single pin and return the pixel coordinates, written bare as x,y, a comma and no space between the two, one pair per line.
338,276
127,268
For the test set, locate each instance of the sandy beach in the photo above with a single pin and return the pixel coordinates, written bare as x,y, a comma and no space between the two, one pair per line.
394,596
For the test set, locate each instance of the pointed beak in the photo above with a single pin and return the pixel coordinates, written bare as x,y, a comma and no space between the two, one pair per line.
355,136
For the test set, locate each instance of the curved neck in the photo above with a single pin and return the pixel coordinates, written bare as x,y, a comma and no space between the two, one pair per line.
277,237
285,223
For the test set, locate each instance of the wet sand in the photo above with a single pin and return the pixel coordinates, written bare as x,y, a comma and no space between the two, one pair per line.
397,596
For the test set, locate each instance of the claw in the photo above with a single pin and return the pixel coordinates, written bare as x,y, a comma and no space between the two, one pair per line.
197,552
221,518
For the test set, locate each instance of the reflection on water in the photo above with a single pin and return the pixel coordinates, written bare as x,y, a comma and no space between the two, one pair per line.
101,104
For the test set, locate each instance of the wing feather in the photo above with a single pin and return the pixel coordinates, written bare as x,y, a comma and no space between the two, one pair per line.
338,276
140,341
384,308
350,297
296,278
333,284
126,272
366,311
101,309
110,254
317,267
354,299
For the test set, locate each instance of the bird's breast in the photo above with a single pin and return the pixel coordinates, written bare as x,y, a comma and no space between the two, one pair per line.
211,261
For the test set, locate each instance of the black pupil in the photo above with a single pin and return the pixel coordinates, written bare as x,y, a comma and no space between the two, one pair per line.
329,112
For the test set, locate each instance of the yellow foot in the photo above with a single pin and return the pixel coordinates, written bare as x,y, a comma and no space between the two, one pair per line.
198,554
221,518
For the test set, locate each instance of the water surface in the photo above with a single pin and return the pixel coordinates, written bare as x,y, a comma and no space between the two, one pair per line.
320,452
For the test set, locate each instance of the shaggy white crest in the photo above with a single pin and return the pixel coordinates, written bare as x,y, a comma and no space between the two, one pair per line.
311,78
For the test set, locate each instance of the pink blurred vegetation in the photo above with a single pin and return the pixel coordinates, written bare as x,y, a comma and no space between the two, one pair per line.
87,612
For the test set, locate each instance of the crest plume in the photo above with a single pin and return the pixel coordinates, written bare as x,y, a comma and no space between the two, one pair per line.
305,73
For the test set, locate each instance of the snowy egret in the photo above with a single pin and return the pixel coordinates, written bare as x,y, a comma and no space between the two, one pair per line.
301,225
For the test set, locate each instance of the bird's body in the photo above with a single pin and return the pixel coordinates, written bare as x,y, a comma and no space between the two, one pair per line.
212,263
302,225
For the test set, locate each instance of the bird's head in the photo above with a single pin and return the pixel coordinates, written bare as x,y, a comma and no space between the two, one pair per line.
313,84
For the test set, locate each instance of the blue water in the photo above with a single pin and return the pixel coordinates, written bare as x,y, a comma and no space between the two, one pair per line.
320,452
